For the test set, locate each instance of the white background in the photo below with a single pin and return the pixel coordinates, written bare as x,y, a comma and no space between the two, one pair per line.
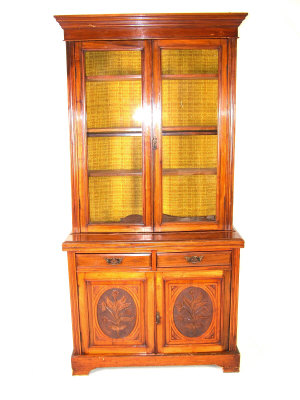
36,340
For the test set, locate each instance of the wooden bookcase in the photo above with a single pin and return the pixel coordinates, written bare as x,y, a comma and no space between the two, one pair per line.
153,256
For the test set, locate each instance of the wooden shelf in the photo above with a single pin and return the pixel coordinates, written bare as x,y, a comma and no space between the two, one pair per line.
174,218
113,134
101,132
189,130
190,171
189,133
133,219
99,78
115,172
190,76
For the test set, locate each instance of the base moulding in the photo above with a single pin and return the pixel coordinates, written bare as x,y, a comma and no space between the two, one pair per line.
83,364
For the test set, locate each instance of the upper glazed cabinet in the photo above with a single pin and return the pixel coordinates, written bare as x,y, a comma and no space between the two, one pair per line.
152,132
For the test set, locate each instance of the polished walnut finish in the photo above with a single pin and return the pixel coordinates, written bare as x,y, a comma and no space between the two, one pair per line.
153,278
192,312
116,313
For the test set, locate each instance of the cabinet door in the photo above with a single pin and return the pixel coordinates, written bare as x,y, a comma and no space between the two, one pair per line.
194,310
191,127
116,312
114,131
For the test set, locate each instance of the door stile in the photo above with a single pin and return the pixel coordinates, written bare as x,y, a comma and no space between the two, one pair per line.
147,134
160,328
232,53
157,149
223,150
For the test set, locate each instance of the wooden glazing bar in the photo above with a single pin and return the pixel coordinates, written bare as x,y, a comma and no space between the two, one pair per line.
174,218
116,172
112,78
131,220
189,133
113,134
189,76
114,130
189,128
190,171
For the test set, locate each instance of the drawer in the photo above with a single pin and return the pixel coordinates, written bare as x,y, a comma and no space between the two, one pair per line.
113,260
194,259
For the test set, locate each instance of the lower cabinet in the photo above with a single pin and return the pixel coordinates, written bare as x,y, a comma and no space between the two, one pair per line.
169,311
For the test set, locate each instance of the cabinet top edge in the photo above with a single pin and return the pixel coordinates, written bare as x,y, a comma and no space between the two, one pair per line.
212,24
210,238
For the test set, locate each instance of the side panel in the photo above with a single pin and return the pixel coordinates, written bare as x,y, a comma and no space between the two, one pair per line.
75,125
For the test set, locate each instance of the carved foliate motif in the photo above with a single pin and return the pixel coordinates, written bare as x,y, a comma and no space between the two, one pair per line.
116,313
193,311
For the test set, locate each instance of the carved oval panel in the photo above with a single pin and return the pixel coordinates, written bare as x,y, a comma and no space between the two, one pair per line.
116,313
193,311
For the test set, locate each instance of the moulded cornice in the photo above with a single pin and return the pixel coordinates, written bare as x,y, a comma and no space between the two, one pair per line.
147,26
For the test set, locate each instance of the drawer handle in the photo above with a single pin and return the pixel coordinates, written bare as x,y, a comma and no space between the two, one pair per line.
114,260
194,259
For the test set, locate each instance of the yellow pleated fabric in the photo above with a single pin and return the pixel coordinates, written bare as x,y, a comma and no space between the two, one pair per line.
189,196
113,104
115,197
112,62
189,103
189,61
190,151
106,153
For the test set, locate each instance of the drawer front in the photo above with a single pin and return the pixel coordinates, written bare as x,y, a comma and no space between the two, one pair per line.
113,260
194,259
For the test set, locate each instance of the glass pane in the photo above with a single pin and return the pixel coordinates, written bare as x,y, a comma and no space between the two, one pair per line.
114,153
114,198
189,103
189,153
189,198
115,179
115,156
112,63
113,104
189,61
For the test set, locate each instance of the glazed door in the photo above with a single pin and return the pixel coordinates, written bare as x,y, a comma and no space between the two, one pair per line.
193,311
190,130
116,311
114,142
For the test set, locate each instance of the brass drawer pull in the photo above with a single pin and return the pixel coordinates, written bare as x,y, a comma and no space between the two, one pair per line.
194,259
114,260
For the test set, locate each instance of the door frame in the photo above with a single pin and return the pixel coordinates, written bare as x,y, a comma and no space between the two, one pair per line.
168,339
78,129
223,180
141,284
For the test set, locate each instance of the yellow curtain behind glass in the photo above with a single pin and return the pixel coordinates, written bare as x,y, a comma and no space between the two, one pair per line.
189,103
189,196
115,197
113,104
189,61
190,151
112,62
106,153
